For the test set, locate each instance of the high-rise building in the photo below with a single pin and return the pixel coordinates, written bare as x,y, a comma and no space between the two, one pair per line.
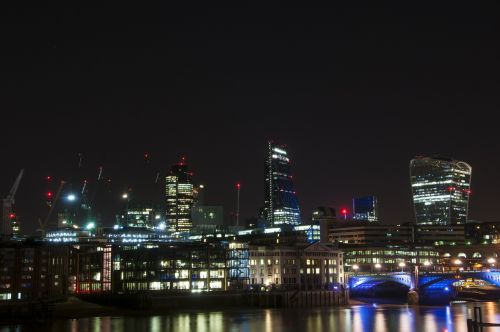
281,204
365,208
140,217
180,198
441,189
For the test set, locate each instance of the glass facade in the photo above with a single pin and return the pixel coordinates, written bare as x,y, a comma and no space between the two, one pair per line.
180,198
441,189
281,204
365,208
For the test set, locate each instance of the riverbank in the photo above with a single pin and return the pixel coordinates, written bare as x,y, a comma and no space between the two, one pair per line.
142,304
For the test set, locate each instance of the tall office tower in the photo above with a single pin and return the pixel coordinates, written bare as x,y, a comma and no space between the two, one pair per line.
441,189
365,208
281,205
180,198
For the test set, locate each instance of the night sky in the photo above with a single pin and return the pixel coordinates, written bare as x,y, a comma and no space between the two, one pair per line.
355,93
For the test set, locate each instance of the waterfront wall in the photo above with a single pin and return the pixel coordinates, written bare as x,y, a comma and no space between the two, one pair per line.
278,299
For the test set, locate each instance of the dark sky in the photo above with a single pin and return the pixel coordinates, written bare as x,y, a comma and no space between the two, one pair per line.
355,92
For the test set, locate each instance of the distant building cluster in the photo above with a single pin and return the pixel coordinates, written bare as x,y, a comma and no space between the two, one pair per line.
186,245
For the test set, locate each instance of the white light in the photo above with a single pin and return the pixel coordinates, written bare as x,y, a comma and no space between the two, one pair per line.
355,267
279,151
491,260
71,197
457,262
427,263
90,225
402,264
378,266
125,196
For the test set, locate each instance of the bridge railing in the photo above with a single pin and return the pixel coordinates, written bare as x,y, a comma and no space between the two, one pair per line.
477,324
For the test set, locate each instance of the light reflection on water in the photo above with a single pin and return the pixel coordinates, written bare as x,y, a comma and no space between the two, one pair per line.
357,318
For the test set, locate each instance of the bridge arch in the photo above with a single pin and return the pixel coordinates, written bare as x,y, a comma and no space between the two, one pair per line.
380,285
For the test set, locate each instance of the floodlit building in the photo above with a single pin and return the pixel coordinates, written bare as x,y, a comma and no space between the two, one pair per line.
162,267
180,198
308,267
281,205
441,189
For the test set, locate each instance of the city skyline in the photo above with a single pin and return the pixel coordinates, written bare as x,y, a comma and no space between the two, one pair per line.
354,98
142,195
205,166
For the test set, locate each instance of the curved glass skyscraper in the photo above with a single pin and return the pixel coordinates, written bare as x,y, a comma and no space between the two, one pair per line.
441,189
281,204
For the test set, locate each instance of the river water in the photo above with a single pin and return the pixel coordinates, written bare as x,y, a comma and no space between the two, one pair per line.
355,318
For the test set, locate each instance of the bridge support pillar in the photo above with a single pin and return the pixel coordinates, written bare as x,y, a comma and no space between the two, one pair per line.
413,297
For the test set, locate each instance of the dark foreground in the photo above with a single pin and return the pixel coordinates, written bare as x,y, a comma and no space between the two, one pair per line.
357,317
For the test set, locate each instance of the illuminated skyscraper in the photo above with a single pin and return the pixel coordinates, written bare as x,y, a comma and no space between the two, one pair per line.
441,189
281,205
180,198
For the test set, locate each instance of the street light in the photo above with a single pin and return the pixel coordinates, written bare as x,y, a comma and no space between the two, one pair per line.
71,197
426,265
125,196
402,266
458,262
355,267
378,266
492,261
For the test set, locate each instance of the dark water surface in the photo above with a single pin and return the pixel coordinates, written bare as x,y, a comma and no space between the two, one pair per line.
355,318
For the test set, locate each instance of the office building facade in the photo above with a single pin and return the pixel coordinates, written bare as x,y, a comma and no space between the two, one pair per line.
441,189
180,198
281,205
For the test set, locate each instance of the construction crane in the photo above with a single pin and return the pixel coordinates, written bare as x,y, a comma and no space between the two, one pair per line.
43,225
7,203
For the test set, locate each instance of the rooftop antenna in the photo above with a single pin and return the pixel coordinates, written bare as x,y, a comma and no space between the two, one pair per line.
238,187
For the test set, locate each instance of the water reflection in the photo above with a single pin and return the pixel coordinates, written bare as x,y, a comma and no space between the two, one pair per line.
356,318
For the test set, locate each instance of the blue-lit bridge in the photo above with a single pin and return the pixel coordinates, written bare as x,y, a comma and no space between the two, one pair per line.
432,287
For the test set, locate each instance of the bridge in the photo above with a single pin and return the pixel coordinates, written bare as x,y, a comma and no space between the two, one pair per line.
432,287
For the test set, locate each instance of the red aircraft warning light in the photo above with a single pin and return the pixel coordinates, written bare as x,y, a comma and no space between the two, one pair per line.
12,216
344,212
